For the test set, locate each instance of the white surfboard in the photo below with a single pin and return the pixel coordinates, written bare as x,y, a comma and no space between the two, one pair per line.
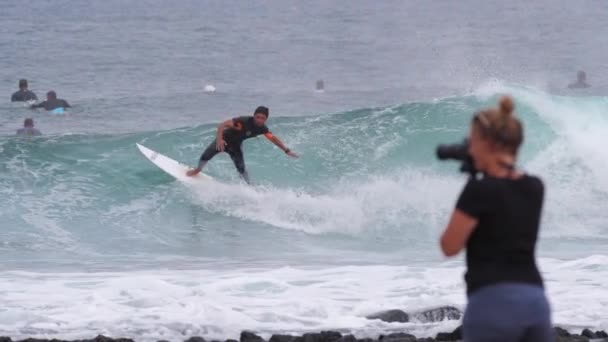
172,167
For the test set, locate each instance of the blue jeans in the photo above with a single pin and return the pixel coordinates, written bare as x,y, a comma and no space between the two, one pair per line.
508,312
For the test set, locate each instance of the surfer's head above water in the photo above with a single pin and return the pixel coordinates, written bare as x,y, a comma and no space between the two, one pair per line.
495,137
260,115
51,95
581,81
23,84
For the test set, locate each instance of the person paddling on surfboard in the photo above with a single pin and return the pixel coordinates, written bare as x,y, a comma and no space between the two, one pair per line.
231,134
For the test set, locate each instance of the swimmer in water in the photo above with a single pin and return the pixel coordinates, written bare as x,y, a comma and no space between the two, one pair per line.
581,81
320,87
28,128
23,94
230,136
52,102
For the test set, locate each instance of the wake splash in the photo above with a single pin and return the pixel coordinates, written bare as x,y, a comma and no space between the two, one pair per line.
375,205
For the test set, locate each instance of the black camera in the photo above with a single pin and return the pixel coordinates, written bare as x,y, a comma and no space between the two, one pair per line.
458,152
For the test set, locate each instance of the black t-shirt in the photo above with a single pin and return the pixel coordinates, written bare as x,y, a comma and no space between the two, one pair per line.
244,128
502,245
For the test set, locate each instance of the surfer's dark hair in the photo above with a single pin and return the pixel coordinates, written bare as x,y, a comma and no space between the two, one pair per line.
23,83
262,110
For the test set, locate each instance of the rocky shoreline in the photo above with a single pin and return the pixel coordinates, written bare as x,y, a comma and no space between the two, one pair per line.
391,316
331,336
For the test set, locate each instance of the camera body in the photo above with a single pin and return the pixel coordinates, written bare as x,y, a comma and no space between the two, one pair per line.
459,152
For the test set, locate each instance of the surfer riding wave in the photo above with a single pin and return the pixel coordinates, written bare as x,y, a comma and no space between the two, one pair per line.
230,136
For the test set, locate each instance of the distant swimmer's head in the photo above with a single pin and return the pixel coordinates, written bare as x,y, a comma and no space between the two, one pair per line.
23,84
581,76
320,85
260,115
51,95
28,123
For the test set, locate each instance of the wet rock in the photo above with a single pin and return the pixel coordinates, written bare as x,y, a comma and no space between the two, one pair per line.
231,341
5,339
391,316
455,335
283,338
426,316
323,336
437,315
330,336
397,337
195,339
347,338
366,340
559,332
102,338
572,338
601,334
247,336
588,333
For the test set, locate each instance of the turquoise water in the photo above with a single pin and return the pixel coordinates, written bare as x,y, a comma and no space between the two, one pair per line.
363,174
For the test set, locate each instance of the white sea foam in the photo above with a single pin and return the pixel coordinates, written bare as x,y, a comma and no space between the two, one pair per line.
168,304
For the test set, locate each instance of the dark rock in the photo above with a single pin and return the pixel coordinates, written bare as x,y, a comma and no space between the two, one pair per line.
572,338
282,338
455,335
437,315
366,340
311,337
588,333
195,339
397,337
5,339
162,341
330,336
391,316
231,341
599,334
559,332
247,336
101,338
323,336
346,338
427,316
426,339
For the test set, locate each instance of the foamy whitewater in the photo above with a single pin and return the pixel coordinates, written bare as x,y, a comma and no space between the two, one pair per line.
348,230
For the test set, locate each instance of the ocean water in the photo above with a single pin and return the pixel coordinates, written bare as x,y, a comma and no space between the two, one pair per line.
96,239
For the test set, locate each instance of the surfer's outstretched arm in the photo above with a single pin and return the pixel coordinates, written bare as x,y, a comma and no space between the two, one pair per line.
280,144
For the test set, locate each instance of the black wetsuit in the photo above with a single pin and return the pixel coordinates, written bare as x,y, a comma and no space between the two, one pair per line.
52,104
23,96
28,131
244,128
